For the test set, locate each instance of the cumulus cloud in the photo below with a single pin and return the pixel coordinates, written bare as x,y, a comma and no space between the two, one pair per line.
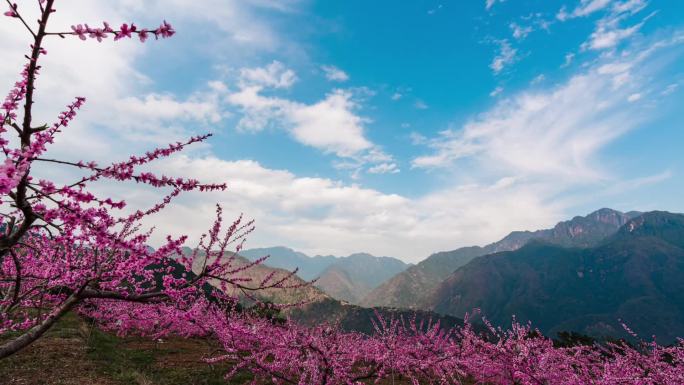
301,211
123,109
274,75
331,125
335,74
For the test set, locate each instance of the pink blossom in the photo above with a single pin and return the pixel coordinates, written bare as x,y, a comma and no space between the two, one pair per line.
80,31
96,33
12,11
125,31
165,30
106,28
143,35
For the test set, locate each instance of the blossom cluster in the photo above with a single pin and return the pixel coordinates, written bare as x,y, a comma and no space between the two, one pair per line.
83,31
405,351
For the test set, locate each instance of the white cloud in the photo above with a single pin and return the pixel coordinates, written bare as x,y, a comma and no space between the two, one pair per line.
384,168
99,72
569,57
588,7
538,79
670,89
496,91
608,32
418,138
301,211
490,3
520,32
335,74
585,8
230,23
274,75
396,96
506,56
421,105
331,125
634,97
160,118
435,10
123,110
555,133
166,107
528,24
629,6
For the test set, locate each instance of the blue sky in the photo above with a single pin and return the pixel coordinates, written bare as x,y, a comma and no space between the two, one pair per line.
397,128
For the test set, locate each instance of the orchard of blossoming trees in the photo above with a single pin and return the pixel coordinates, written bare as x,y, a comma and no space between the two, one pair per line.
62,249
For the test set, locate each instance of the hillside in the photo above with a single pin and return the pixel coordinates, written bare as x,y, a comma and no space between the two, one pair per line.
351,278
346,278
356,318
414,287
323,308
636,275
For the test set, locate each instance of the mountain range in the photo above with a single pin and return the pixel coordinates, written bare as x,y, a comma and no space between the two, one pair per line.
318,307
344,278
414,287
583,275
635,275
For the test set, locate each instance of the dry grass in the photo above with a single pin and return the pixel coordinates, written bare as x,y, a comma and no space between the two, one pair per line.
74,353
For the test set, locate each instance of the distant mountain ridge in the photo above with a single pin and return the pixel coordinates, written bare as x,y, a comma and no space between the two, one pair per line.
414,287
635,275
345,278
285,258
320,307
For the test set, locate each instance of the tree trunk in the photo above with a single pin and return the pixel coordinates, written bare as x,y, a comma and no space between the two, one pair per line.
38,330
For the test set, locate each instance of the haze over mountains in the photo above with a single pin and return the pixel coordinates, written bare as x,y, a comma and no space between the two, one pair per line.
582,275
345,278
